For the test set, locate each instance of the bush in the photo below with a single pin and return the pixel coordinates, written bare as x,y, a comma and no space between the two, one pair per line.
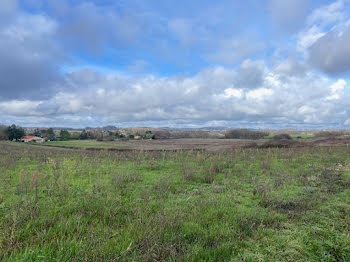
282,136
280,143
329,133
245,134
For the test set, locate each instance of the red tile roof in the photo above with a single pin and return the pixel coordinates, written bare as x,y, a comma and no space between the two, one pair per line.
30,137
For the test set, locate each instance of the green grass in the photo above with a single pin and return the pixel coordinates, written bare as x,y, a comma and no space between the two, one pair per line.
302,136
84,144
245,205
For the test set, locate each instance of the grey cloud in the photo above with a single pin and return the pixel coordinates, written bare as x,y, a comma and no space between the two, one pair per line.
29,58
91,28
250,75
289,15
331,52
230,51
291,68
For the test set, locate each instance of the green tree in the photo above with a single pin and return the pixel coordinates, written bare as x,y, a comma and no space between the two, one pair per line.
49,134
64,135
37,132
14,132
83,135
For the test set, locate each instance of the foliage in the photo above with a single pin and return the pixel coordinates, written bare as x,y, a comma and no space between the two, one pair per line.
83,135
64,135
330,133
245,134
48,134
119,135
37,132
14,132
282,136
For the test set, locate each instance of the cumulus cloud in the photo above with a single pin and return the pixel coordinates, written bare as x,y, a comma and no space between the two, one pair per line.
337,90
19,107
208,96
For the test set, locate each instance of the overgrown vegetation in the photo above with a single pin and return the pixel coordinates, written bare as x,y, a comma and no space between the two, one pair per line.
282,136
288,204
331,133
245,134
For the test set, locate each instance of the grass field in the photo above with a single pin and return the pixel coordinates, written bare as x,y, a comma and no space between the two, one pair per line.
161,144
290,204
84,144
294,136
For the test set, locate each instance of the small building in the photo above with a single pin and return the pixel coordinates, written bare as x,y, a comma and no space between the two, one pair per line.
32,139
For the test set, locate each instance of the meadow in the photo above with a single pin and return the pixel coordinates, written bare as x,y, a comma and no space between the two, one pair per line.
246,204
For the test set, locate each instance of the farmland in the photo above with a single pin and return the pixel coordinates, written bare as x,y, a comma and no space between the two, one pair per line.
155,145
233,204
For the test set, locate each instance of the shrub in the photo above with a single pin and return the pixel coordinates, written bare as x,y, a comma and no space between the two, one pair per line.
64,135
329,133
282,136
245,134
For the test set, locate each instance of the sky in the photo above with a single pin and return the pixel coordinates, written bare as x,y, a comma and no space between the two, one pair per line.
199,63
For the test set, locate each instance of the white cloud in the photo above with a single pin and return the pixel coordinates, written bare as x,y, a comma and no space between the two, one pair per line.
19,108
338,86
259,93
337,90
207,96
232,92
325,15
308,38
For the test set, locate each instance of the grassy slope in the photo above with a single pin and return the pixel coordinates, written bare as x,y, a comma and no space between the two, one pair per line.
250,205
